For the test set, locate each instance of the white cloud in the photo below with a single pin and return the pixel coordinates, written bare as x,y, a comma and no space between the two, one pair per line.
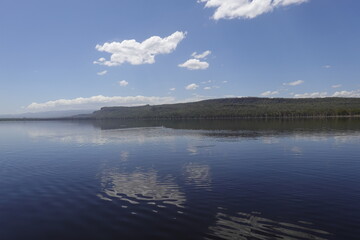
172,89
336,86
269,93
137,53
100,61
230,9
97,102
311,95
327,66
298,82
206,82
211,87
201,55
355,93
194,64
192,86
232,96
102,73
123,83
195,98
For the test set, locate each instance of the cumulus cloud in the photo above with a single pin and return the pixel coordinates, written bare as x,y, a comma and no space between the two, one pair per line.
100,61
269,93
172,89
201,55
206,82
123,83
233,96
230,9
355,93
211,87
194,64
295,83
102,73
336,86
97,102
311,95
137,53
192,86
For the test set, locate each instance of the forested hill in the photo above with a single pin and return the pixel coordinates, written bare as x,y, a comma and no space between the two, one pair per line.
238,108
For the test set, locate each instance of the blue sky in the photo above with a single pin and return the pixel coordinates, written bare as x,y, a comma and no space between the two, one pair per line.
60,55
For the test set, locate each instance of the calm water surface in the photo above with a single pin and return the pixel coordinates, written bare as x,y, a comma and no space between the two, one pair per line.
180,180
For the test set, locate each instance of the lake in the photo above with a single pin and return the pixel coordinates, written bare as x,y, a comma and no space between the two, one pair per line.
228,179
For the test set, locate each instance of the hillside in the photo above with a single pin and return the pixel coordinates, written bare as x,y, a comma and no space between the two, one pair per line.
238,108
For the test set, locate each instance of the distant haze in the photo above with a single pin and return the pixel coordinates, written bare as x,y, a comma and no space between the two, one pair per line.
52,114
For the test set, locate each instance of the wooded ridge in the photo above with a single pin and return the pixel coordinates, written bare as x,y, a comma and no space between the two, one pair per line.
248,107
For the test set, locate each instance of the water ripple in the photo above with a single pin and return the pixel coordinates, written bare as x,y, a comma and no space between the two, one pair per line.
137,187
252,226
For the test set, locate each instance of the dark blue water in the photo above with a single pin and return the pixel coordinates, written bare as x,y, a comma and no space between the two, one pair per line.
180,180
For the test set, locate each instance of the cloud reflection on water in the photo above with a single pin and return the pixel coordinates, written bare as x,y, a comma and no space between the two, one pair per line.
252,226
141,186
124,156
68,133
85,133
198,175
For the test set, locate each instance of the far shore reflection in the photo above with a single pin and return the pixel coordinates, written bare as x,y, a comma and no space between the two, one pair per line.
245,125
115,131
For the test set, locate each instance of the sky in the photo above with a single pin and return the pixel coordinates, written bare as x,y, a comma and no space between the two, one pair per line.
77,54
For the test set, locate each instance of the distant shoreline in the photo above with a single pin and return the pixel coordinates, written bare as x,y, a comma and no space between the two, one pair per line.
169,119
225,108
